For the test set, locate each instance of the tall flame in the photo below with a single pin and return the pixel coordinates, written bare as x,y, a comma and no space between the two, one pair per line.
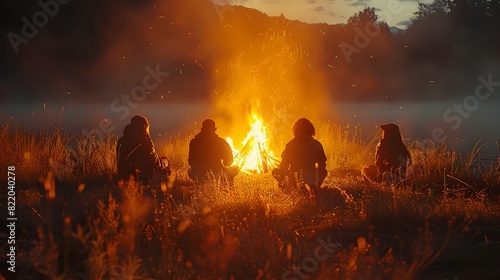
254,155
263,86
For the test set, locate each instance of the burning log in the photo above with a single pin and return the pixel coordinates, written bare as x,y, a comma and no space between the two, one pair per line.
263,157
255,155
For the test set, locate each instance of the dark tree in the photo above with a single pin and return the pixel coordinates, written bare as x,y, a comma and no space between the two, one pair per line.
364,17
434,9
368,17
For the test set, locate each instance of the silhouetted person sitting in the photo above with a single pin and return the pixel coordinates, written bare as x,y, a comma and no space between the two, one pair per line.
303,160
391,159
210,156
136,153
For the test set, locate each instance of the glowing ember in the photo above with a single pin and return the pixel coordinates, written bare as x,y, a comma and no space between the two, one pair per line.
254,154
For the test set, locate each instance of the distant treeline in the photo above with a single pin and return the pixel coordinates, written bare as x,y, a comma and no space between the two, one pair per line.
440,55
95,52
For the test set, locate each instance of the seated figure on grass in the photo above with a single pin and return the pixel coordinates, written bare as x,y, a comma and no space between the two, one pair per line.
391,159
136,154
303,163
210,157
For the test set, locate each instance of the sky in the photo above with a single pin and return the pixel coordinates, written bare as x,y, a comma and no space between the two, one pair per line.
393,12
98,51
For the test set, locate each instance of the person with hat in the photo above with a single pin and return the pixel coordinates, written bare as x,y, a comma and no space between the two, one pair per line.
136,154
391,159
210,156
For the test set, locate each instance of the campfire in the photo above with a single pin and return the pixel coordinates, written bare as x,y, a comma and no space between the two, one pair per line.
253,153
259,86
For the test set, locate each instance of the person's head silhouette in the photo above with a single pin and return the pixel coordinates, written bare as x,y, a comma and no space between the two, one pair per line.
208,125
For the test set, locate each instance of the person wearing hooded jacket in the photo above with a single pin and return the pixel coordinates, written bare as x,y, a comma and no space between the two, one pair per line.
303,158
136,153
391,159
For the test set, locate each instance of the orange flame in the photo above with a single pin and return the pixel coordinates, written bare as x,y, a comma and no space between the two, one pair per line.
254,154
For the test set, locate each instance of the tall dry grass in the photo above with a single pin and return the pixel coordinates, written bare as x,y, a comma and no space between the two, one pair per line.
93,156
251,229
218,233
37,152
440,167
34,153
344,146
79,157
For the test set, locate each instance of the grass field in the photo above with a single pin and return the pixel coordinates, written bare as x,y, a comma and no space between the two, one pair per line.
75,221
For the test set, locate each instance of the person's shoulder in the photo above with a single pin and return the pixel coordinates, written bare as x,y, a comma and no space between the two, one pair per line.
144,139
312,140
127,139
222,140
198,139
291,142
200,135
317,143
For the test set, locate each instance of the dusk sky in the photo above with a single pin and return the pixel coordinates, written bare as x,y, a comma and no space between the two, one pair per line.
394,12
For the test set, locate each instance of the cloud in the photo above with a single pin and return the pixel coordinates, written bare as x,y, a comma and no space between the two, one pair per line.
233,2
319,9
361,3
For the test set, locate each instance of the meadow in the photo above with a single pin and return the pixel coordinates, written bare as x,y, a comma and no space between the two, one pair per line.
76,221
